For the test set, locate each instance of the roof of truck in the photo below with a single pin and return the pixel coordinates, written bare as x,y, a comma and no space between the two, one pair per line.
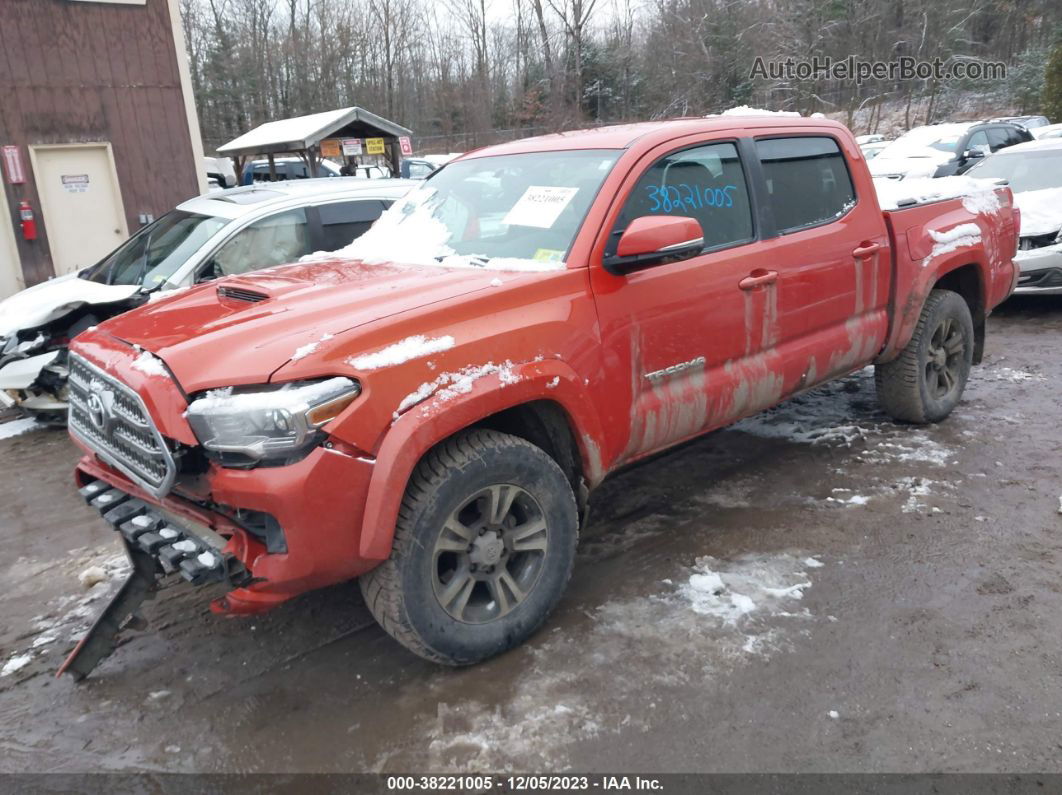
623,136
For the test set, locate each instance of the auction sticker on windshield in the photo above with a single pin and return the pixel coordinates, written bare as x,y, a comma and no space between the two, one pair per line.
539,206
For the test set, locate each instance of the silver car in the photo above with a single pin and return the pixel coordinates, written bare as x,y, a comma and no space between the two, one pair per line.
220,234
1034,171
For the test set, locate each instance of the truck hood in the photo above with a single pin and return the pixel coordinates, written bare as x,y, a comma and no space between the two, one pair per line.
240,330
54,298
1041,211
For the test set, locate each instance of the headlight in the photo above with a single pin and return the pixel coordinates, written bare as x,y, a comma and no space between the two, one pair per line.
268,423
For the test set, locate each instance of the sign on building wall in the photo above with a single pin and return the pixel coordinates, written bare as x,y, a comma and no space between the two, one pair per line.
406,145
330,147
374,146
351,147
13,168
75,183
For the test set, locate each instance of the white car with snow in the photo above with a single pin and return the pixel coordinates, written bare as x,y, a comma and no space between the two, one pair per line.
944,150
1034,171
220,234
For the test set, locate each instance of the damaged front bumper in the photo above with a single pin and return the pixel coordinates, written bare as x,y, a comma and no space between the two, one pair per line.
36,384
158,545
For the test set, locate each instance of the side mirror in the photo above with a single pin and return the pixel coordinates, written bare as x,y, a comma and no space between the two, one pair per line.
972,154
654,239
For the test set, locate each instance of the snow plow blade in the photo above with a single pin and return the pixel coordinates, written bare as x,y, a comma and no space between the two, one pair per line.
102,638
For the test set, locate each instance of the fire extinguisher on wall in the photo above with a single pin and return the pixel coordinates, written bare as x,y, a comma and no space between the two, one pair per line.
27,221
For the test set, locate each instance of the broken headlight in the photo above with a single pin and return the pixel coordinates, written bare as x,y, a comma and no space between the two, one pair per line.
268,424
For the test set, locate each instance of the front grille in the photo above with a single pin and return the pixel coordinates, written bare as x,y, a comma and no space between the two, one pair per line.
111,419
1037,241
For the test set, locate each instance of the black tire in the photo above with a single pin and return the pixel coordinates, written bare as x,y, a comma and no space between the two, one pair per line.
926,381
456,484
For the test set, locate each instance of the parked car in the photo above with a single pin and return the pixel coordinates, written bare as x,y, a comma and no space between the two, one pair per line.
219,234
872,138
1030,123
1034,173
1050,131
220,172
870,151
417,168
942,150
429,409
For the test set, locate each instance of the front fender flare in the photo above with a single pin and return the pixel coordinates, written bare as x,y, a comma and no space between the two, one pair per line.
430,422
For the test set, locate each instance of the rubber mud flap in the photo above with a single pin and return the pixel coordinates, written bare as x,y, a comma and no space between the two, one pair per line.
102,638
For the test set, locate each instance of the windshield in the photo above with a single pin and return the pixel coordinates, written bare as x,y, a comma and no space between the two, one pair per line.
1024,170
511,212
157,251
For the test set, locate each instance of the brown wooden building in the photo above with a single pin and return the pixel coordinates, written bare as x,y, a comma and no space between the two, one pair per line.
98,130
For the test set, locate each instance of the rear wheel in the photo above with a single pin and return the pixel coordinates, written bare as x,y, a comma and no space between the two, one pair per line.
926,381
484,546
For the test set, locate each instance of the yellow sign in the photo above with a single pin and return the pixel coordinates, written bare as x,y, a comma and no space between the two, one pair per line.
374,146
330,147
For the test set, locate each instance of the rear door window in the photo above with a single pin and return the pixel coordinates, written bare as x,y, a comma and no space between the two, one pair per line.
343,222
807,181
706,183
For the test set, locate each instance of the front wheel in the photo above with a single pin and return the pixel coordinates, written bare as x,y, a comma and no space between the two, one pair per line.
926,381
483,548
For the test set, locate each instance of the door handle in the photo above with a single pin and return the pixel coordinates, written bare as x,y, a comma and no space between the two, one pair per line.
864,251
758,278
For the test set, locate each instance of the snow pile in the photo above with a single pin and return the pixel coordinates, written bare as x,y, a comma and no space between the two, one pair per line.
18,427
15,662
731,594
460,382
978,195
151,365
1041,211
745,110
402,351
92,575
956,237
308,348
410,234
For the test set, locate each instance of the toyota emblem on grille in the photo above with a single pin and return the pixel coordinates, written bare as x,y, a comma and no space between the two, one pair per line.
98,409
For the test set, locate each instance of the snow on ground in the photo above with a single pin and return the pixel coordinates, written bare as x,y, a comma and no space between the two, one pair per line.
844,414
1004,374
17,427
711,618
403,351
66,619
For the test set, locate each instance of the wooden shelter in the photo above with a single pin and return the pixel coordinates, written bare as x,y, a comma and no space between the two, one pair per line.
311,137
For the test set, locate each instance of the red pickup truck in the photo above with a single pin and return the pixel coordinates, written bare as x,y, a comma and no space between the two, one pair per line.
429,409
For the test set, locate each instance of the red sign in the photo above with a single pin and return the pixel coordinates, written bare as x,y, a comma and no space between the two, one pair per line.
406,145
16,174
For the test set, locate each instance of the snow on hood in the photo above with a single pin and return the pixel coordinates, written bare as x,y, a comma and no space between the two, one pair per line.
54,298
922,163
1041,211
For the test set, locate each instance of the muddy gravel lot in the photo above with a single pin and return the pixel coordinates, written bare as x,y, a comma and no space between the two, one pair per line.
815,589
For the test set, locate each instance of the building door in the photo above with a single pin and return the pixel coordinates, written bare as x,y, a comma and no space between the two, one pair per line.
11,280
80,202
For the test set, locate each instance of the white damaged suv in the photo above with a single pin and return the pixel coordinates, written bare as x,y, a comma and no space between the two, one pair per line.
219,234
1034,171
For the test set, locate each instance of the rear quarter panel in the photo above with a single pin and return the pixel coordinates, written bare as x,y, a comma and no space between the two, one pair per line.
920,262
